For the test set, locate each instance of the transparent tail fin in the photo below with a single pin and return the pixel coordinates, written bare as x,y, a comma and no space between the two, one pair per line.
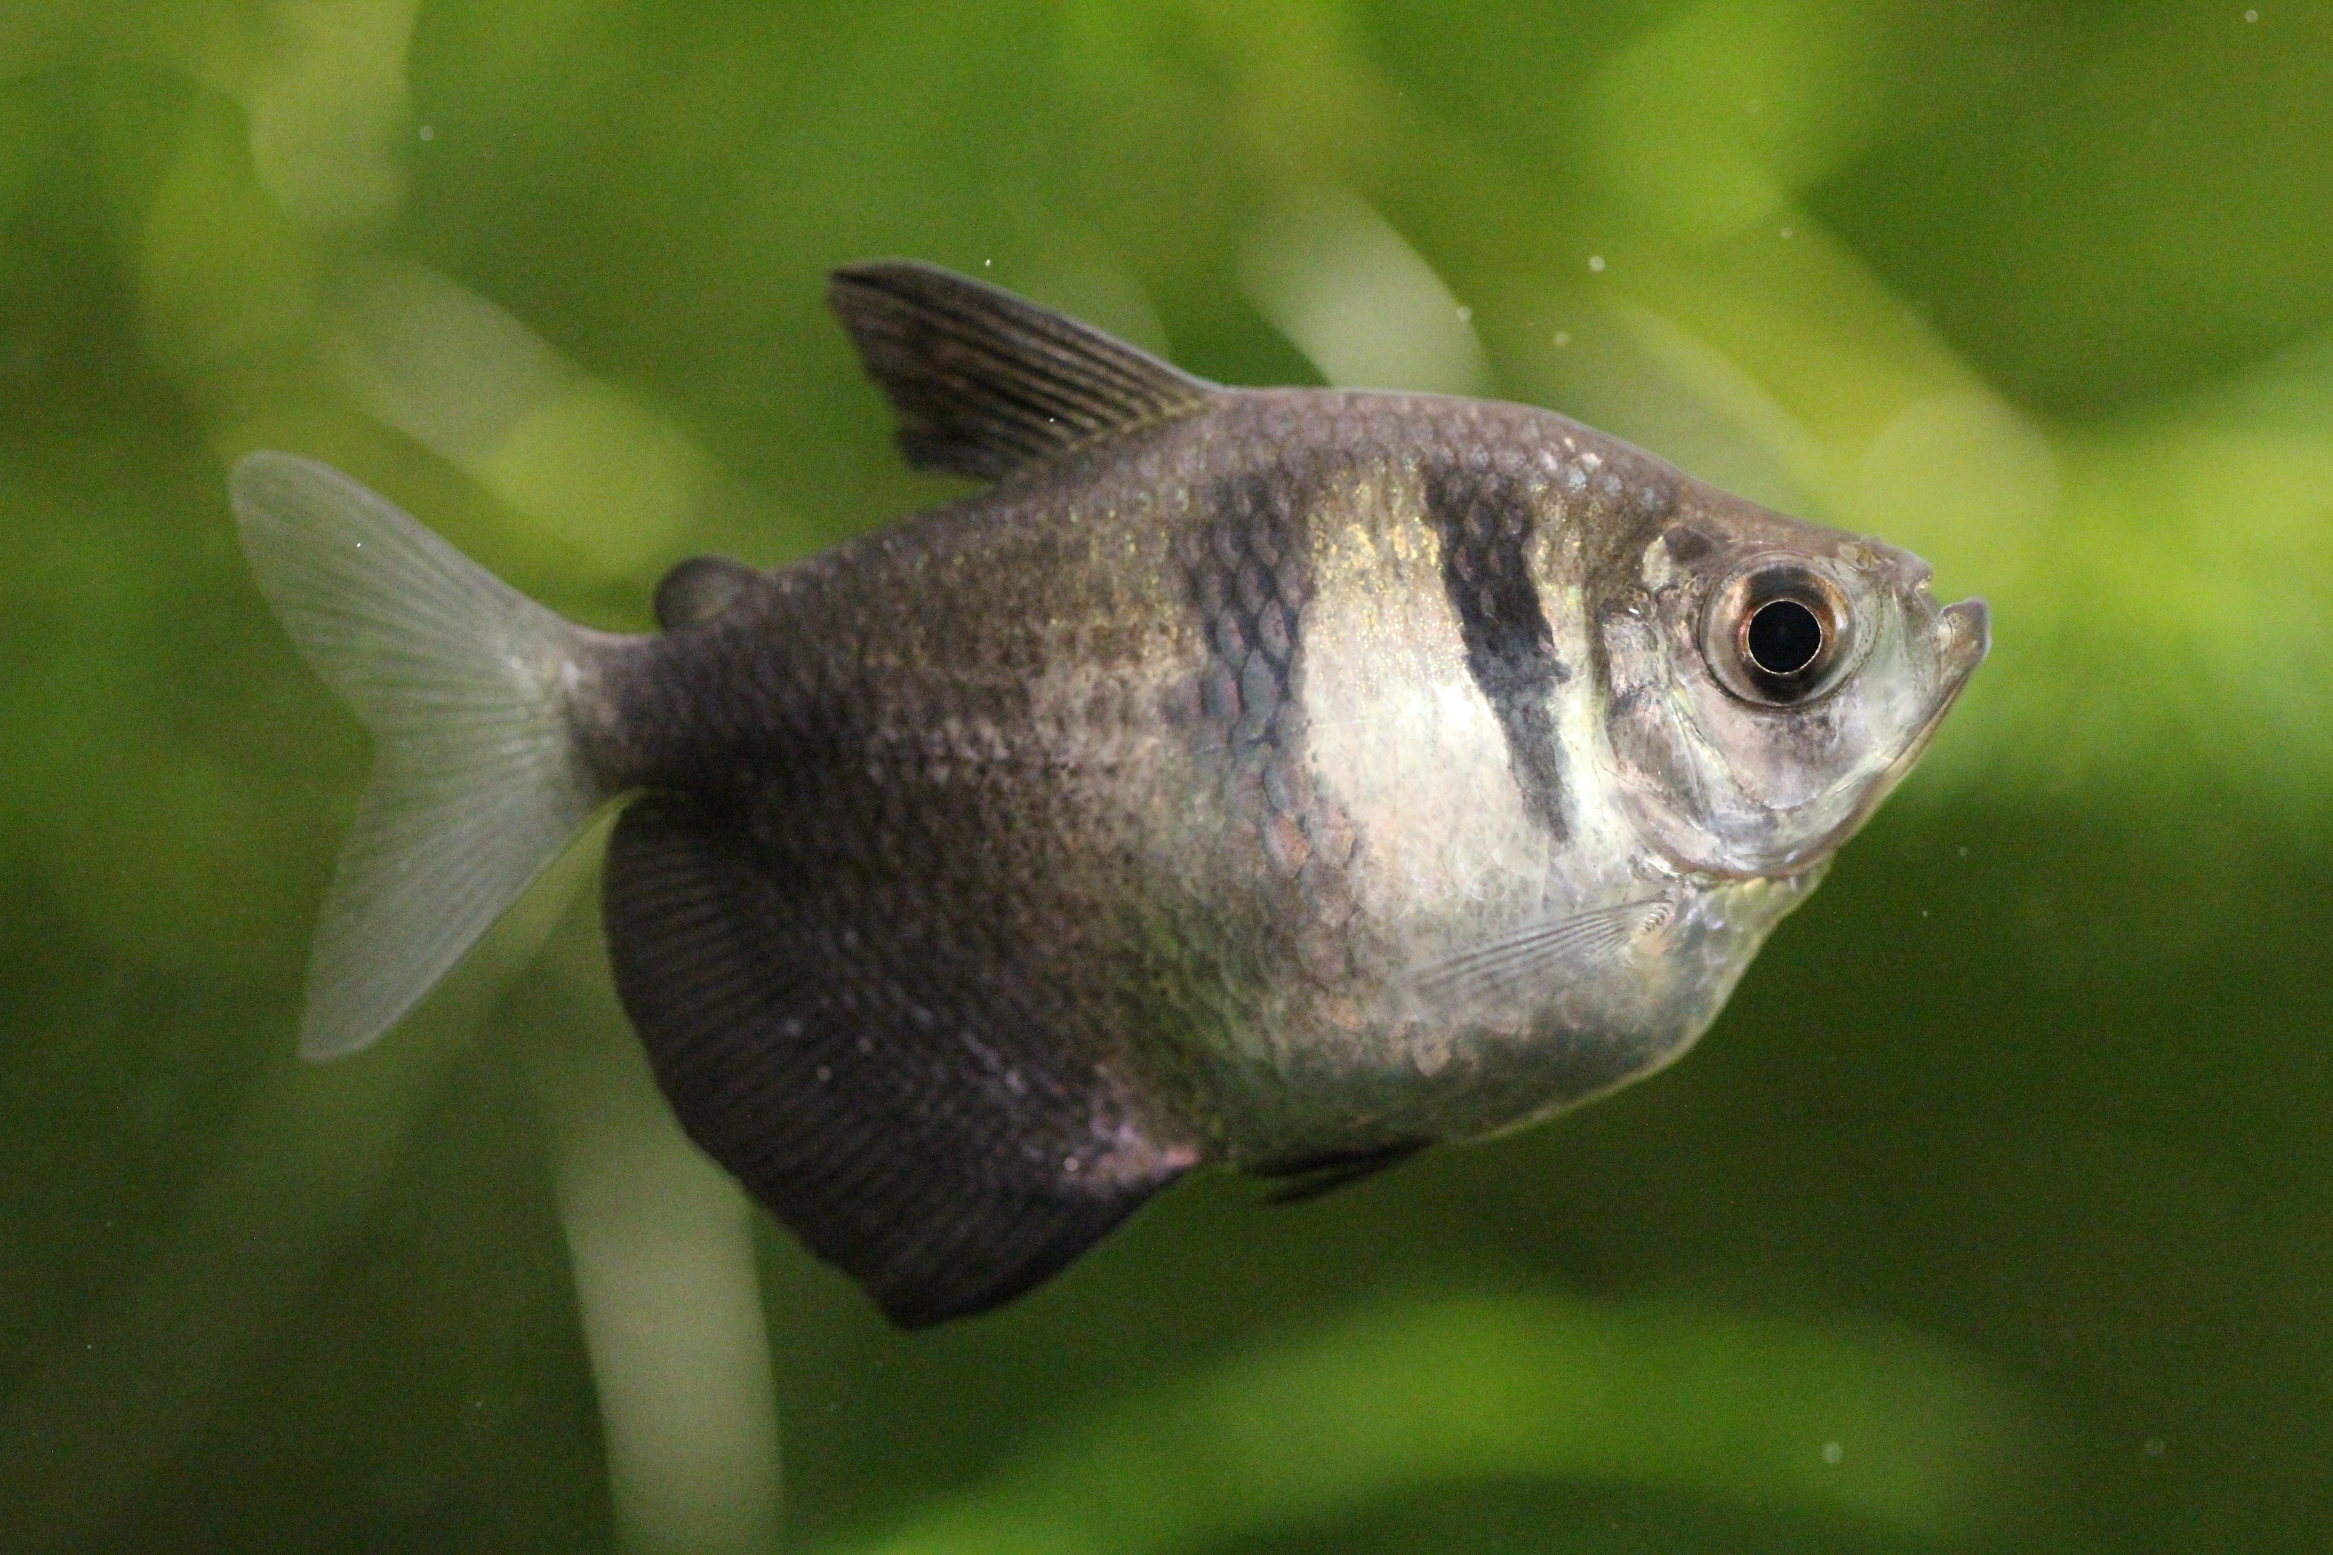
464,684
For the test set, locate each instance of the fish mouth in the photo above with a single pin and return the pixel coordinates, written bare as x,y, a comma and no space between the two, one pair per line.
1968,628
1968,631
1971,624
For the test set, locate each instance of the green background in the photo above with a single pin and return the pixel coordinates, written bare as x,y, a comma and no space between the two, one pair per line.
1997,1212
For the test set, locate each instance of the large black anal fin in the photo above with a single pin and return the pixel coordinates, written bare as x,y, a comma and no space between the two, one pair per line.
869,1127
986,382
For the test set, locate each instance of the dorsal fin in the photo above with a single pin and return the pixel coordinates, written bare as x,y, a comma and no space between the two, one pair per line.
986,382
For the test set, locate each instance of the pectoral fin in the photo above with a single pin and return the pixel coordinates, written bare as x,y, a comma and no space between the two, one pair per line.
1531,956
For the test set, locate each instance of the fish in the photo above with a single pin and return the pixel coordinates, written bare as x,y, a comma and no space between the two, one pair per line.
1279,779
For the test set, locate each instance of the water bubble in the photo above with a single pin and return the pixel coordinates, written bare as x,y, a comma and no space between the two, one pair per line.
1596,263
1833,1453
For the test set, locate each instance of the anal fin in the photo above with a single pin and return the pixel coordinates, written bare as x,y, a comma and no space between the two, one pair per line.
935,1157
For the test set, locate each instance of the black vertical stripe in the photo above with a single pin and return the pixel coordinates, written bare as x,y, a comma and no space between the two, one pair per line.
1484,520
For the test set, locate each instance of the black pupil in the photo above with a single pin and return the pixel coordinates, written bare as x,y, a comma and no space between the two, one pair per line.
1784,637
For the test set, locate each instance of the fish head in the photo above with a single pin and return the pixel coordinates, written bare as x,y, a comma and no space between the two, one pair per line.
1769,681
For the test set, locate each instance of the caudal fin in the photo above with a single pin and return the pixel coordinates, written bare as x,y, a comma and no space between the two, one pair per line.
465,684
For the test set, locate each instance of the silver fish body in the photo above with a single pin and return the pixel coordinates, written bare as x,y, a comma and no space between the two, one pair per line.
1285,778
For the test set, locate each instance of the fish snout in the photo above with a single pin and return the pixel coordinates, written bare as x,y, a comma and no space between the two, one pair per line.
1967,629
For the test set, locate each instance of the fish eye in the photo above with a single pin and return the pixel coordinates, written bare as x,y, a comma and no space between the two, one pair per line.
1778,634
1783,637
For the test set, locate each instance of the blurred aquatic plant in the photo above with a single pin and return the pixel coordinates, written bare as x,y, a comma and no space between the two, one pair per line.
1890,1434
606,480
84,1434
660,1242
1357,300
